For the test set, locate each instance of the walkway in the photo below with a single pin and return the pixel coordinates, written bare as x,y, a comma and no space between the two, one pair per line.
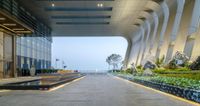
93,90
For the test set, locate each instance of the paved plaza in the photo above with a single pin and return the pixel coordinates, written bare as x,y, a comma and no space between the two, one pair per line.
93,90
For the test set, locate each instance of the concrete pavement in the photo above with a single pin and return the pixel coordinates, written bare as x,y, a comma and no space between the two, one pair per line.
93,90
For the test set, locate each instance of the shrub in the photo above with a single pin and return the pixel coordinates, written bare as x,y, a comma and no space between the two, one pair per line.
165,71
175,81
172,64
159,61
160,70
47,71
195,65
182,69
129,70
139,67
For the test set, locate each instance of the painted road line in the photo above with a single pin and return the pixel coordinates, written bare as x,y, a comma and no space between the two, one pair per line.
58,87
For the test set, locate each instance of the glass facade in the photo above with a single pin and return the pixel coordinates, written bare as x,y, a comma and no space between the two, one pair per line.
33,51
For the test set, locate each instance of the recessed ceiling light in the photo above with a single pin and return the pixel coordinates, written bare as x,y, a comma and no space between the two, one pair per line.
99,5
53,5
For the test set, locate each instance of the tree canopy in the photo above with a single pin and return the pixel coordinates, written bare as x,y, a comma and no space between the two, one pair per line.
114,60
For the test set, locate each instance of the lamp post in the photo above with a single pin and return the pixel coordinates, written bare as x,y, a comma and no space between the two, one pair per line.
56,62
63,63
65,67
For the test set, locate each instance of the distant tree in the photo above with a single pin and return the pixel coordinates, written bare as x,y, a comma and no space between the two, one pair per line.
109,62
114,60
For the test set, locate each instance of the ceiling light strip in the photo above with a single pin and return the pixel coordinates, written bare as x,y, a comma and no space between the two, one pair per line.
80,17
82,23
78,9
73,0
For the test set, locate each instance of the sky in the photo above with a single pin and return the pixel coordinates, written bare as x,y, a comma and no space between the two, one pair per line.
86,54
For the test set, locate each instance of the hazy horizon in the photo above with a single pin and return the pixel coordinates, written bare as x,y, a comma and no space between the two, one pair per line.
86,53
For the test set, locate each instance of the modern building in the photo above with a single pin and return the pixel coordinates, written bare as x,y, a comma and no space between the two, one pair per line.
152,27
25,41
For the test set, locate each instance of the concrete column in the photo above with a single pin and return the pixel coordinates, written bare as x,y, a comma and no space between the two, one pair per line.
147,24
189,46
194,25
156,22
157,36
132,38
135,49
175,29
182,34
153,27
1,55
166,38
196,49
140,46
165,10
128,52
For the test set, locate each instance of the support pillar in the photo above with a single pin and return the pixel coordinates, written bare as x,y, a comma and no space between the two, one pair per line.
175,29
1,55
14,70
194,25
189,46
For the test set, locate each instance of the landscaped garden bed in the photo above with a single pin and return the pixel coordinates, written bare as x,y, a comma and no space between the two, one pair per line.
182,87
179,76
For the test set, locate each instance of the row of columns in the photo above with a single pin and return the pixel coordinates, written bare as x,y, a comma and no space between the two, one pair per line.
175,29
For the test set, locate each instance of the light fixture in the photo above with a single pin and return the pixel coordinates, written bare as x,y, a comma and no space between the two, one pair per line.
53,5
99,5
9,24
2,19
23,31
18,29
